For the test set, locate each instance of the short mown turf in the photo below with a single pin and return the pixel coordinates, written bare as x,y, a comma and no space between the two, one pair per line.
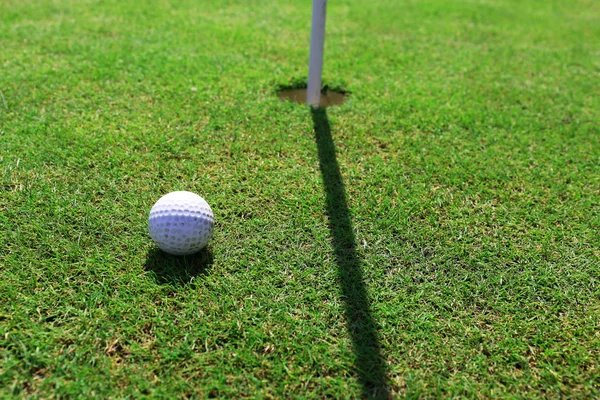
436,236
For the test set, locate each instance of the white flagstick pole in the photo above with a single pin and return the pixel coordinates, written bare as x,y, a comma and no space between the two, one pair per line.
317,44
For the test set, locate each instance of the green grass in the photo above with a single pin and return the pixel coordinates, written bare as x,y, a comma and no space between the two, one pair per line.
435,236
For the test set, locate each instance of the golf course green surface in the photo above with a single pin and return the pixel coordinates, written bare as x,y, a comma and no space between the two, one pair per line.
435,236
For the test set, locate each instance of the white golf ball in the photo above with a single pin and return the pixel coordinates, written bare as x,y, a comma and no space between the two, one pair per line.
181,223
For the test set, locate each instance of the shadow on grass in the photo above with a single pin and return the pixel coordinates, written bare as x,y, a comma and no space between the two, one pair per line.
370,365
178,270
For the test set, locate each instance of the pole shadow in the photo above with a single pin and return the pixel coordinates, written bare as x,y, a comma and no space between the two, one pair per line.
370,365
178,270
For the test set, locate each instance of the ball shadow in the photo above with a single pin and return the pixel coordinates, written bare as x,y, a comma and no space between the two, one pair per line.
178,270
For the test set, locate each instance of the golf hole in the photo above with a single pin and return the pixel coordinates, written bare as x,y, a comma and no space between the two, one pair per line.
328,97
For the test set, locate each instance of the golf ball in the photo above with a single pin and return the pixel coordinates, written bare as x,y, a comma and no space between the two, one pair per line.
181,223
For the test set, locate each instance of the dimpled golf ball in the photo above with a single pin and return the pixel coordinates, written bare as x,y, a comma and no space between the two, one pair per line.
181,223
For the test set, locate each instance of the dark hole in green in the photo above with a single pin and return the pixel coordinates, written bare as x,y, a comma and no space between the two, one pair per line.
328,97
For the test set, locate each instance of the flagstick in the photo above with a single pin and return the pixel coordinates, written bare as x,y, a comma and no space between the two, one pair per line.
317,43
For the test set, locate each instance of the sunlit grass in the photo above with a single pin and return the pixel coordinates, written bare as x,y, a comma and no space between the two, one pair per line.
453,209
